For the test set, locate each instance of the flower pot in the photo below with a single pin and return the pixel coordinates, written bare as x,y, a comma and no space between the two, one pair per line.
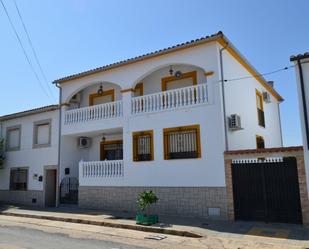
146,219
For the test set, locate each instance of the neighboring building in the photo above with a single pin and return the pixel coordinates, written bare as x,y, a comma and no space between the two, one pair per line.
29,175
159,121
301,63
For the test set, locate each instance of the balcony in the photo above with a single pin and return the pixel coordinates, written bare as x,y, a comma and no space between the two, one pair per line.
92,113
100,170
171,99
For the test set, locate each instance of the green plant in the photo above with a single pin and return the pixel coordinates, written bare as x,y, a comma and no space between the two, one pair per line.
1,152
145,200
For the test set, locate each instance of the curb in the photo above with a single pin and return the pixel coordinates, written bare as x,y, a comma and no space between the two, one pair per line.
182,233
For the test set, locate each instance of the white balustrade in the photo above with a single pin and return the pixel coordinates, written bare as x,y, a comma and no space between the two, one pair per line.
181,97
101,169
95,112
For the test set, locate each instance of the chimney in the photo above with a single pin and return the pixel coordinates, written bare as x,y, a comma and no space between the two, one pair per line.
271,83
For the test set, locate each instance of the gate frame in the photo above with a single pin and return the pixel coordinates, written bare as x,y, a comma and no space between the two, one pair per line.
296,151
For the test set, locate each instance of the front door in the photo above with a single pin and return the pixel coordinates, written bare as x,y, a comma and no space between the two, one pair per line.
50,187
111,150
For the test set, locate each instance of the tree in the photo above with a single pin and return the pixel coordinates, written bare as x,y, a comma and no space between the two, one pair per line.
1,152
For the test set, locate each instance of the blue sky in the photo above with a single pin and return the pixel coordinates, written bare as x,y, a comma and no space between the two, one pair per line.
74,35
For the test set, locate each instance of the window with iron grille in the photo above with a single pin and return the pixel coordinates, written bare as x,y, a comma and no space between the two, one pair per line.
182,142
143,146
18,179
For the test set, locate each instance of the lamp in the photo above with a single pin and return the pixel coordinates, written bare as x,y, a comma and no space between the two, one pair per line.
103,138
100,90
178,74
171,70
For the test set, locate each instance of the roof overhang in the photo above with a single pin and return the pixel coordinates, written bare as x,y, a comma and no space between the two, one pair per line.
299,57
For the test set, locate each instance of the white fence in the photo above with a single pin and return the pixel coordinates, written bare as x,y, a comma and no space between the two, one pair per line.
182,97
101,169
96,112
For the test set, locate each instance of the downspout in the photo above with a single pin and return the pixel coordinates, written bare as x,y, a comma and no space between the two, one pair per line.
59,142
303,95
223,96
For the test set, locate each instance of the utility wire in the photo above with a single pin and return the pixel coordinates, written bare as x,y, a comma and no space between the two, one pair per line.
33,50
24,51
263,74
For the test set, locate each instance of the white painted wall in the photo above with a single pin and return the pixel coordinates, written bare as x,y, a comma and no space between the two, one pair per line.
240,97
152,82
27,156
305,68
203,56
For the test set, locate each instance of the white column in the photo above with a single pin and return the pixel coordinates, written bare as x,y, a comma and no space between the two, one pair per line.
127,136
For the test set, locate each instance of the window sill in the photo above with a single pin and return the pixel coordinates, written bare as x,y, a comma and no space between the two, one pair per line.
38,146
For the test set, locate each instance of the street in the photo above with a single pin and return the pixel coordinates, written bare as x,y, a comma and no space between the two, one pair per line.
19,238
31,233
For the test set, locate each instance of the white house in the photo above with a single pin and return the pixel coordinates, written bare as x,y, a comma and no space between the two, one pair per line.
301,63
159,121
29,175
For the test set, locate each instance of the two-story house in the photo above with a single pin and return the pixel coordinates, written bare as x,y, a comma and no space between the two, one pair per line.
159,121
29,175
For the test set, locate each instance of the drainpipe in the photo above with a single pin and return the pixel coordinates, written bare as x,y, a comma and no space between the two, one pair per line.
303,95
223,96
59,142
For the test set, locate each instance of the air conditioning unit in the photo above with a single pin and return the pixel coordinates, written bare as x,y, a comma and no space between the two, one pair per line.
76,98
266,97
234,122
84,142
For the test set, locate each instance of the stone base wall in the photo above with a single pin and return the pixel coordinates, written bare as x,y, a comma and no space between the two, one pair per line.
22,197
178,201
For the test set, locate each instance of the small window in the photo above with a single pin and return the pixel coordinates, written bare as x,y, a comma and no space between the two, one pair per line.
19,179
42,134
260,143
182,142
260,109
13,138
143,146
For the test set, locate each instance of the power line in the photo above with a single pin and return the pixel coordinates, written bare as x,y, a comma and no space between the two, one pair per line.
33,50
263,74
24,51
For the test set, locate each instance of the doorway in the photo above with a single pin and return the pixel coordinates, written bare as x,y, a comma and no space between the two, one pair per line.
267,191
111,150
50,187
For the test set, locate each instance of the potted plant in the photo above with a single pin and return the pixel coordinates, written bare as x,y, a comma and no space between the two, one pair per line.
145,200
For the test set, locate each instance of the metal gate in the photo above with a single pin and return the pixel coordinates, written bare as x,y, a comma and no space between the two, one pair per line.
266,190
69,190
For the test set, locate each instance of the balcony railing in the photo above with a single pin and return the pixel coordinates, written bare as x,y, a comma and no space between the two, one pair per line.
96,112
101,169
182,97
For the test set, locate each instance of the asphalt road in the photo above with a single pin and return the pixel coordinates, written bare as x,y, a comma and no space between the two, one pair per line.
21,238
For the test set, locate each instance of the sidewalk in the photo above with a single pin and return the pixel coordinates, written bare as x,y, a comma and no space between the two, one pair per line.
295,235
